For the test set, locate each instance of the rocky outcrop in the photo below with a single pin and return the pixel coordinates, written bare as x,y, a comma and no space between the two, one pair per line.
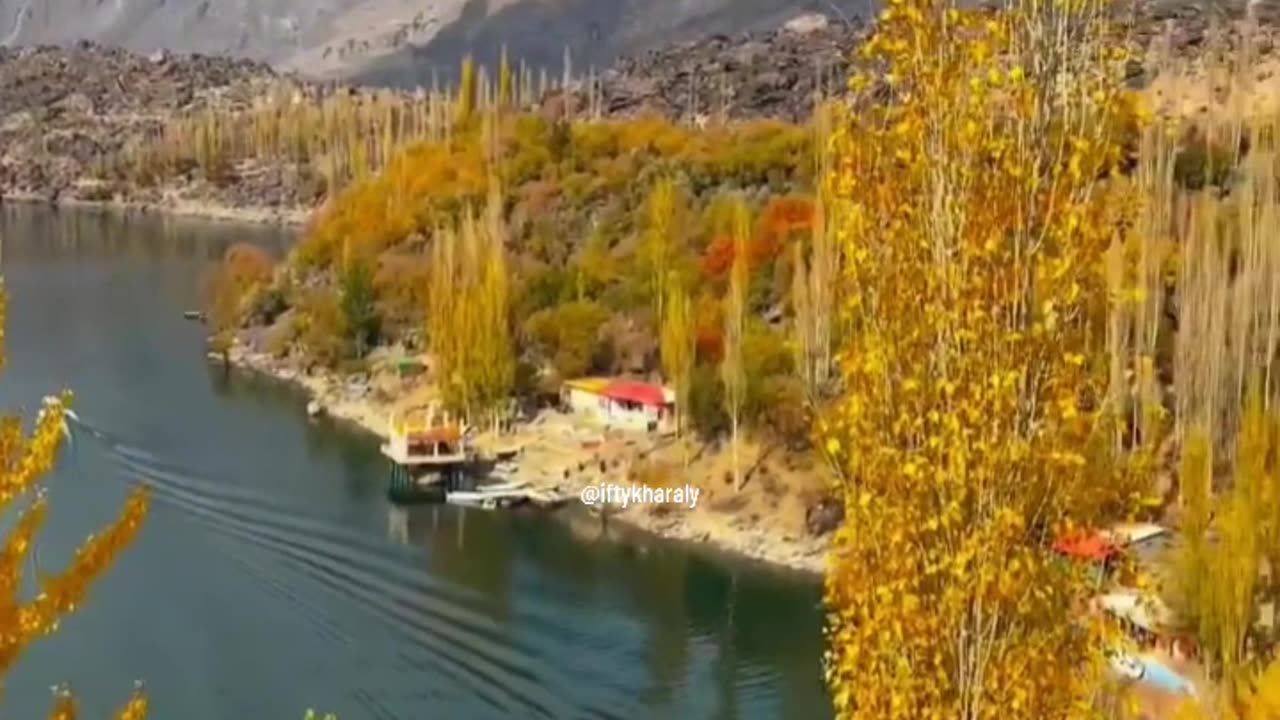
776,74
94,79
68,116
1186,25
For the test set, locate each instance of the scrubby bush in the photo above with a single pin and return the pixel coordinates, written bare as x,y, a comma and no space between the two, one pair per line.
706,402
569,336
232,286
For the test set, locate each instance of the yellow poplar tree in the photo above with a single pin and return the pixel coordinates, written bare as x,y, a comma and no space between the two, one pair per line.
441,291
818,277
1255,697
24,461
505,80
975,217
467,89
733,365
468,313
1216,585
495,350
677,347
662,237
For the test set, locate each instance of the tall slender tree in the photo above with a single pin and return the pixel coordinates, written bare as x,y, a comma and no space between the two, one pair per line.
469,314
506,81
664,238
497,356
733,365
467,90
969,434
677,347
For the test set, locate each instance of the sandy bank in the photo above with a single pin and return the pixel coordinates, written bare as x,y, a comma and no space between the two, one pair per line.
179,207
553,456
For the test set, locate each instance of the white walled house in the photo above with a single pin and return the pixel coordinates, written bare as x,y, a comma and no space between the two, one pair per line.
628,404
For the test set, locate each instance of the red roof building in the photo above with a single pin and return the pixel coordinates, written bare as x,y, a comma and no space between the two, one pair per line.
636,392
622,403
1087,546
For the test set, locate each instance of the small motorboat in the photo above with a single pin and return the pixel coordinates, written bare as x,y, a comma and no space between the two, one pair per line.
467,498
194,315
497,495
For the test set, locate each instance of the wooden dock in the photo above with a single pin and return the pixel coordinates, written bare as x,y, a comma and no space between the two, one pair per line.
428,454
433,460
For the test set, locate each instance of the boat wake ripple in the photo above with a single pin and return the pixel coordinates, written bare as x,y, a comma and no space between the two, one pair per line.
448,637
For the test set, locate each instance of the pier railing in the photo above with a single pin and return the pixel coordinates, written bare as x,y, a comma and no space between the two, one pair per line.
425,436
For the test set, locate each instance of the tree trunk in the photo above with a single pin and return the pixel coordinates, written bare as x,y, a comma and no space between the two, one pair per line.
737,467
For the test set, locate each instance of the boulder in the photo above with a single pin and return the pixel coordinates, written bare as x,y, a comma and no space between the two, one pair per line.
824,517
807,23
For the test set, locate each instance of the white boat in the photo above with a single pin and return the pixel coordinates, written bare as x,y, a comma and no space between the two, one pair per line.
504,471
486,500
503,487
1125,665
502,495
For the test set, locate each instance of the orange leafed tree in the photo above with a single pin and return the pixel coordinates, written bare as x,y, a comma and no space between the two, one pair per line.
25,459
782,221
244,268
973,214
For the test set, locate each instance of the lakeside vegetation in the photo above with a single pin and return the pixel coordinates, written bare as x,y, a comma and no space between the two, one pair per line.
602,223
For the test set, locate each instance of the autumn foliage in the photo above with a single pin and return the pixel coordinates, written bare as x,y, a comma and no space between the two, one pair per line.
244,270
782,224
974,216
470,316
26,460
600,219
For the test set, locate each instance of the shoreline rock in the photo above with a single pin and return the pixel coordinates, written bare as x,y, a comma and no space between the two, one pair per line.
296,217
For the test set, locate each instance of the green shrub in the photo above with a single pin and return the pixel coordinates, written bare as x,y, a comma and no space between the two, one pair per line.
569,336
706,402
1202,163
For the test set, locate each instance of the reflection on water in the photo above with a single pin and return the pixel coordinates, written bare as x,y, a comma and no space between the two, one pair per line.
36,232
398,524
274,576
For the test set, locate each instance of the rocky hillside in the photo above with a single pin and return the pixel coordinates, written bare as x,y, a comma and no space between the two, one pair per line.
405,42
399,41
776,74
67,116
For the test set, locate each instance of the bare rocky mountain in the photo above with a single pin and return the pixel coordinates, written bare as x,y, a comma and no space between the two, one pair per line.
397,41
69,114
67,110
772,74
64,112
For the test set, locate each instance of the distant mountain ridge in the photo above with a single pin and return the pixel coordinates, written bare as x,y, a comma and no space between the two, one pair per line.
399,42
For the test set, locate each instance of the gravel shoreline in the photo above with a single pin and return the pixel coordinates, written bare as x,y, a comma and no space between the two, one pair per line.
718,532
288,217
